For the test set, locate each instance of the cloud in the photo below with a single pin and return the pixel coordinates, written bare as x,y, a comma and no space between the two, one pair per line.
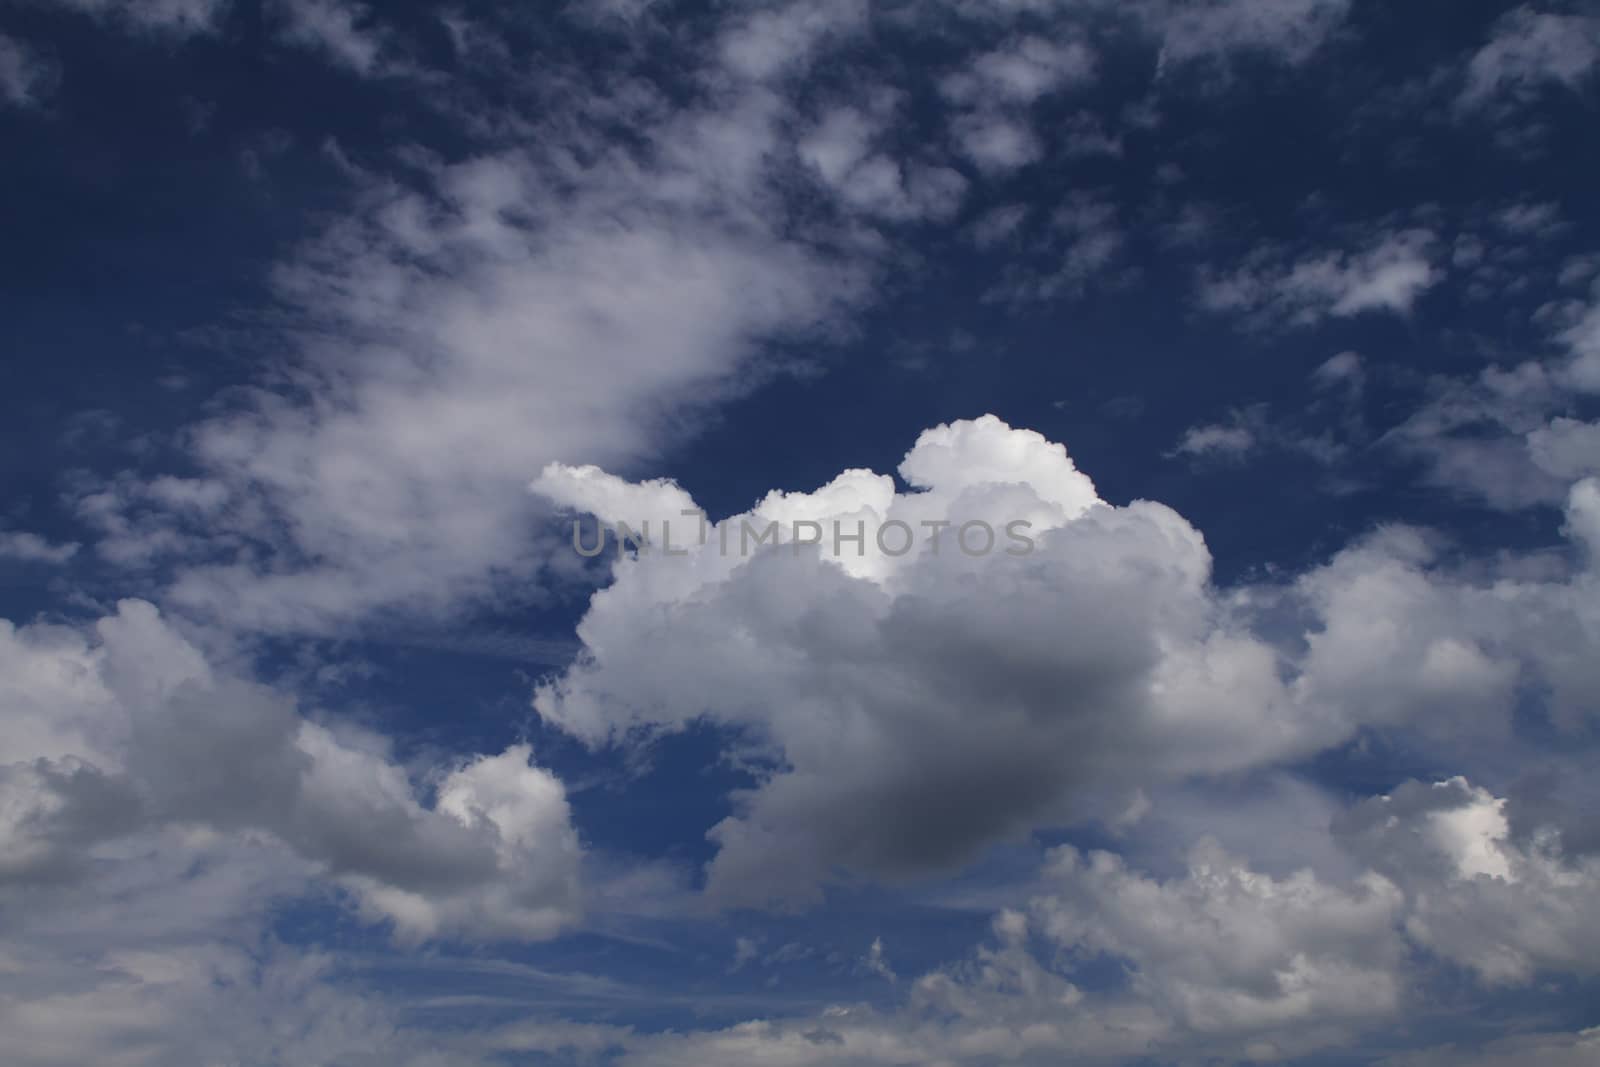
1278,287
1507,434
914,707
1507,911
339,29
129,730
1527,51
171,17
28,547
842,150
1083,246
203,1003
959,699
1216,440
1291,30
571,299
1523,1050
1021,72
1226,950
1221,961
26,77
997,144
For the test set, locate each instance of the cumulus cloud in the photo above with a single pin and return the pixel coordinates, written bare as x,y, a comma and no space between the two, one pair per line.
1508,911
957,697
1223,962
1227,950
917,705
128,729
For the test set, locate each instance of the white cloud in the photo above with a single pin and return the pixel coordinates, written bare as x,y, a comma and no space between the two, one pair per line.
1290,29
1507,910
25,75
1507,434
998,144
1021,72
1390,274
1083,245
1216,439
841,150
963,699
525,307
131,730
178,17
1582,339
31,548
340,29
1530,49
1522,1050
959,699
1223,962
1226,950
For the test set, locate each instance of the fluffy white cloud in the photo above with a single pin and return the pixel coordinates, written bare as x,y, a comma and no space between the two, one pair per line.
1508,910
917,704
1227,950
923,703
129,729
1223,962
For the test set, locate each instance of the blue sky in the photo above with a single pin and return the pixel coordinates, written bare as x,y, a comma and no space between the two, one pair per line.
1275,324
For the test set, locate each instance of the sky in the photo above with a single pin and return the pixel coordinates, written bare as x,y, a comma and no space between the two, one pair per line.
800,533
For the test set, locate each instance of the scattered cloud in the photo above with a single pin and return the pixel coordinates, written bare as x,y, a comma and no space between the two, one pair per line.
1527,51
1280,287
28,547
26,77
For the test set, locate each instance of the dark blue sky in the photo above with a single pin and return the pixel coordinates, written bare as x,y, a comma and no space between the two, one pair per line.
301,295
